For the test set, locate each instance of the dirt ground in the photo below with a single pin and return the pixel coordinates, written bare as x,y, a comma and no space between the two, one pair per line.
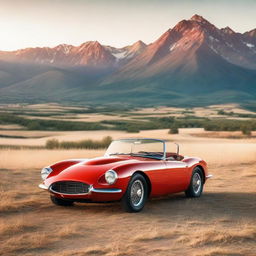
221,222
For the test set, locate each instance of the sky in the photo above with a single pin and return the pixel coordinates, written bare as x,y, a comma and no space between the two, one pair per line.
38,23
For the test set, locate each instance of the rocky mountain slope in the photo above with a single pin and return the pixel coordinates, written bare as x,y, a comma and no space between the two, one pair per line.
192,63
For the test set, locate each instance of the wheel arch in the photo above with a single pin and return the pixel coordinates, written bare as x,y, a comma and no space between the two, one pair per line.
203,171
146,178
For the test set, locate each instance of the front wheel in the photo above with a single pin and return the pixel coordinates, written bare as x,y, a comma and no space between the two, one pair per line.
61,202
136,194
196,185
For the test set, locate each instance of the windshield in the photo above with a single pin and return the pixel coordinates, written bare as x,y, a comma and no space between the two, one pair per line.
151,148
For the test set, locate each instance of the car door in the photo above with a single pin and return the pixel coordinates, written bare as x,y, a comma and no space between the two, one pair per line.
166,176
176,174
158,176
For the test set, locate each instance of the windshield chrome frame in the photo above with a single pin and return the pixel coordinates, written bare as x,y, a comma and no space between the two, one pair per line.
134,139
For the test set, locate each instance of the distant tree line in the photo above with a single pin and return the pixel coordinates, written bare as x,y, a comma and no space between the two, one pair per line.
54,125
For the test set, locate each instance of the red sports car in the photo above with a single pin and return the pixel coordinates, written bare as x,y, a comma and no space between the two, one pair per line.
131,171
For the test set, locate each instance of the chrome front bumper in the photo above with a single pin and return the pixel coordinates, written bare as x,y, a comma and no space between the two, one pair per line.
91,189
42,186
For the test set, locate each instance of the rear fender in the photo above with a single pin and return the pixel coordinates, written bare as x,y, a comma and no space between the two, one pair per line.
193,162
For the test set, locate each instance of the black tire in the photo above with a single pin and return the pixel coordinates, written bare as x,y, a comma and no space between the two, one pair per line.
61,202
140,193
196,185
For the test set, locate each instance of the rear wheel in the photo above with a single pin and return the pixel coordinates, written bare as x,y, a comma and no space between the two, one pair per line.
196,185
62,202
136,194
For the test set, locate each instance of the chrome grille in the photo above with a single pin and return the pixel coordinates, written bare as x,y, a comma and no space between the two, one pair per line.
70,187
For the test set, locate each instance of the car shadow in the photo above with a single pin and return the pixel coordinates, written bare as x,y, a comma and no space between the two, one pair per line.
209,205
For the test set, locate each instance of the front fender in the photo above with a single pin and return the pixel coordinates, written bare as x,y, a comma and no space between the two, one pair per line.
126,171
62,165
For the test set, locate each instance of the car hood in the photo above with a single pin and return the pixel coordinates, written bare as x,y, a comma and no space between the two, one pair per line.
89,171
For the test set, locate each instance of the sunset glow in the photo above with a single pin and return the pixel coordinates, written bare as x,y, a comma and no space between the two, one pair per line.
32,23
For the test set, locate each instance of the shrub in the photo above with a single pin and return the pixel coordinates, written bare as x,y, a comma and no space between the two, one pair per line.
106,141
52,144
174,130
221,112
133,129
82,144
246,130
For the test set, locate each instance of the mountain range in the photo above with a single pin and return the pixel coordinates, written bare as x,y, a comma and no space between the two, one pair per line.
193,63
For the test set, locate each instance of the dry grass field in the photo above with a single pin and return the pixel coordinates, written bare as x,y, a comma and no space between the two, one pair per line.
221,222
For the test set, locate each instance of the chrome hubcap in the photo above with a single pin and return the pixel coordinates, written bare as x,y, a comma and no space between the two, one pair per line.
137,193
197,182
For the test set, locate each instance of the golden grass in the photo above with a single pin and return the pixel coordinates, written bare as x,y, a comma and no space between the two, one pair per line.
9,127
29,159
154,233
222,153
226,135
215,151
242,232
92,250
215,236
69,230
90,117
15,226
221,222
39,138
9,202
219,252
25,243
113,249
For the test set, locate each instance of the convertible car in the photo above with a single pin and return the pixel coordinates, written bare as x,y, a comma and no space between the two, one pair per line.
131,171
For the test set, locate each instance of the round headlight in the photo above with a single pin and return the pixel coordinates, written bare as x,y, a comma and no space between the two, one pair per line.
45,172
111,177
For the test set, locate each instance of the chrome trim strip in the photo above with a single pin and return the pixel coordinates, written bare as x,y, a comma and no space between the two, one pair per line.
42,186
209,176
106,190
